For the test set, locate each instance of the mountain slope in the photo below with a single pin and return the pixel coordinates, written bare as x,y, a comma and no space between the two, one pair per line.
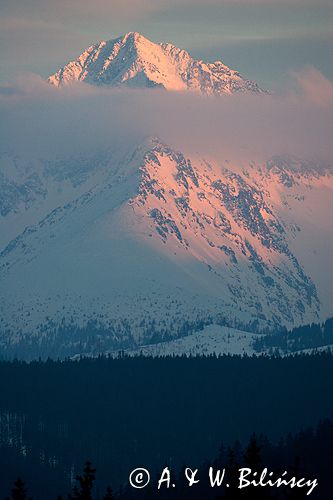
126,248
135,61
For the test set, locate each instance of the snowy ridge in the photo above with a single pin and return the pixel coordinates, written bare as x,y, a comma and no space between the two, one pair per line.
151,244
213,339
135,61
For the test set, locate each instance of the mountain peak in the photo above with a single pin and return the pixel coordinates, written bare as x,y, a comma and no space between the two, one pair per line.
133,60
132,36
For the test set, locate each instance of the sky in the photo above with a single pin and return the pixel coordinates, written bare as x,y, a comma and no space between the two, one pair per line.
266,40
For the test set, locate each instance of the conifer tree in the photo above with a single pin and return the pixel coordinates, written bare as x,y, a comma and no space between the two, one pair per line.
232,473
252,454
252,459
19,491
109,494
295,493
86,482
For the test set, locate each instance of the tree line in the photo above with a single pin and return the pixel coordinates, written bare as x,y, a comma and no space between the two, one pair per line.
302,337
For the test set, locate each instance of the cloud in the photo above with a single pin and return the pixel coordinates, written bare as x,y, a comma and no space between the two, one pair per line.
315,87
41,121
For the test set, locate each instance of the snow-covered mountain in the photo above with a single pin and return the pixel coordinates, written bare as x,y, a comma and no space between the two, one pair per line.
153,243
135,61
138,244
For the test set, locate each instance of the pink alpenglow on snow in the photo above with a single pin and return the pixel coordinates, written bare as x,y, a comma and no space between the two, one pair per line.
135,61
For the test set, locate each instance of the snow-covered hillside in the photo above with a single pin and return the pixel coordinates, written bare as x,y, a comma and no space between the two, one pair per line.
135,61
213,339
152,244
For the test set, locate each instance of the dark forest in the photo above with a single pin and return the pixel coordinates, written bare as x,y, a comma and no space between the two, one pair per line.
129,412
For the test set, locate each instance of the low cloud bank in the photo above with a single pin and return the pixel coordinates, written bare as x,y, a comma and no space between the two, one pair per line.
38,120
